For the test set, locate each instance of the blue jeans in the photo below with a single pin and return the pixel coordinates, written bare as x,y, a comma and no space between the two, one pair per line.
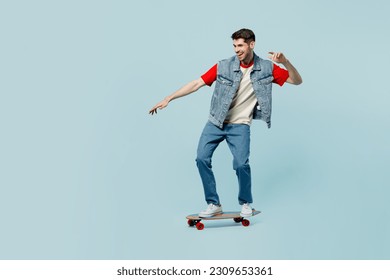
237,137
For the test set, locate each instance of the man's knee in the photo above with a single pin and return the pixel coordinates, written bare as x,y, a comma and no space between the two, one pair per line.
241,165
202,159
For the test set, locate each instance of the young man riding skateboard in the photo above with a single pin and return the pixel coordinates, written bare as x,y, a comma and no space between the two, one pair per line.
243,92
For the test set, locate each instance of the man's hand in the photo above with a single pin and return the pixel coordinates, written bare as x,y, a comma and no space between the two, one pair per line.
160,105
183,91
277,57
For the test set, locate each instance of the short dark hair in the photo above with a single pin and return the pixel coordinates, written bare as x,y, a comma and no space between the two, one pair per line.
245,34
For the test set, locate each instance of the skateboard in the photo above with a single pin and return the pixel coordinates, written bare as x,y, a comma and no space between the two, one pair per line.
194,219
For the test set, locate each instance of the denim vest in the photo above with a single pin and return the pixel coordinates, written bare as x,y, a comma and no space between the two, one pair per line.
228,80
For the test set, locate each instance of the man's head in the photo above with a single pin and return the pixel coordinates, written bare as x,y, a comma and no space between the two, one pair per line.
244,43
245,34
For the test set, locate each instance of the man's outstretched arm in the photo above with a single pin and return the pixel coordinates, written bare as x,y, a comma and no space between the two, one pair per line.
183,91
294,77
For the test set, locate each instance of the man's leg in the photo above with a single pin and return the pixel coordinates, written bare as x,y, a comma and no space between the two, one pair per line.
238,139
208,142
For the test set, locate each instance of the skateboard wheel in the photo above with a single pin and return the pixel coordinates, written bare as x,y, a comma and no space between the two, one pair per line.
238,220
191,223
199,226
245,222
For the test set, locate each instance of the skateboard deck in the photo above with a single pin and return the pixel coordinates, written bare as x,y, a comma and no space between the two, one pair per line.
194,219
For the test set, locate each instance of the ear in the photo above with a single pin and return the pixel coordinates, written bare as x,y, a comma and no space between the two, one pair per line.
252,45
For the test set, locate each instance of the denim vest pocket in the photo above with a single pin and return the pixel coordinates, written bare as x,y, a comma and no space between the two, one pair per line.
266,80
224,81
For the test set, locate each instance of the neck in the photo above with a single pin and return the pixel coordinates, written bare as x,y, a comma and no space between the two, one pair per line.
248,59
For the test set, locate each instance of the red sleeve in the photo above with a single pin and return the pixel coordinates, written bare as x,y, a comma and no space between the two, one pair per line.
210,76
280,75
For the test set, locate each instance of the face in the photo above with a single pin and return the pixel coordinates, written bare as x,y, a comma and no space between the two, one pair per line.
243,50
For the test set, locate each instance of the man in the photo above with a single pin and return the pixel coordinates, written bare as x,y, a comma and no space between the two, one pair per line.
242,93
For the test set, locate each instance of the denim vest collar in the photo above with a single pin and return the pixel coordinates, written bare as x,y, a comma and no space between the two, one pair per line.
256,63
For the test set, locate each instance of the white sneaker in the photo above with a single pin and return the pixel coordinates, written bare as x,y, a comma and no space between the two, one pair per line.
211,210
246,210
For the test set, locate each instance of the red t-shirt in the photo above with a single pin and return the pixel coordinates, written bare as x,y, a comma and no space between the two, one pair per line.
280,74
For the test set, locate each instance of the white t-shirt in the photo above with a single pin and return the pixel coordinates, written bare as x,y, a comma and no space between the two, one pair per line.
244,101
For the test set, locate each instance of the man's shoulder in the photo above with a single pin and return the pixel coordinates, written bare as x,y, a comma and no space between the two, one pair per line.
228,60
260,59
261,63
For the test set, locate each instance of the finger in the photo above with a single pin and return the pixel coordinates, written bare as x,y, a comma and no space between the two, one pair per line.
152,111
155,107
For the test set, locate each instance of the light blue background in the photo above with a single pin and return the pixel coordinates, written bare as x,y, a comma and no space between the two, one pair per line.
86,173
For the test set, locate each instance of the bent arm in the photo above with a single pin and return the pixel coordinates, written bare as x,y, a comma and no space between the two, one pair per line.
183,91
294,77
